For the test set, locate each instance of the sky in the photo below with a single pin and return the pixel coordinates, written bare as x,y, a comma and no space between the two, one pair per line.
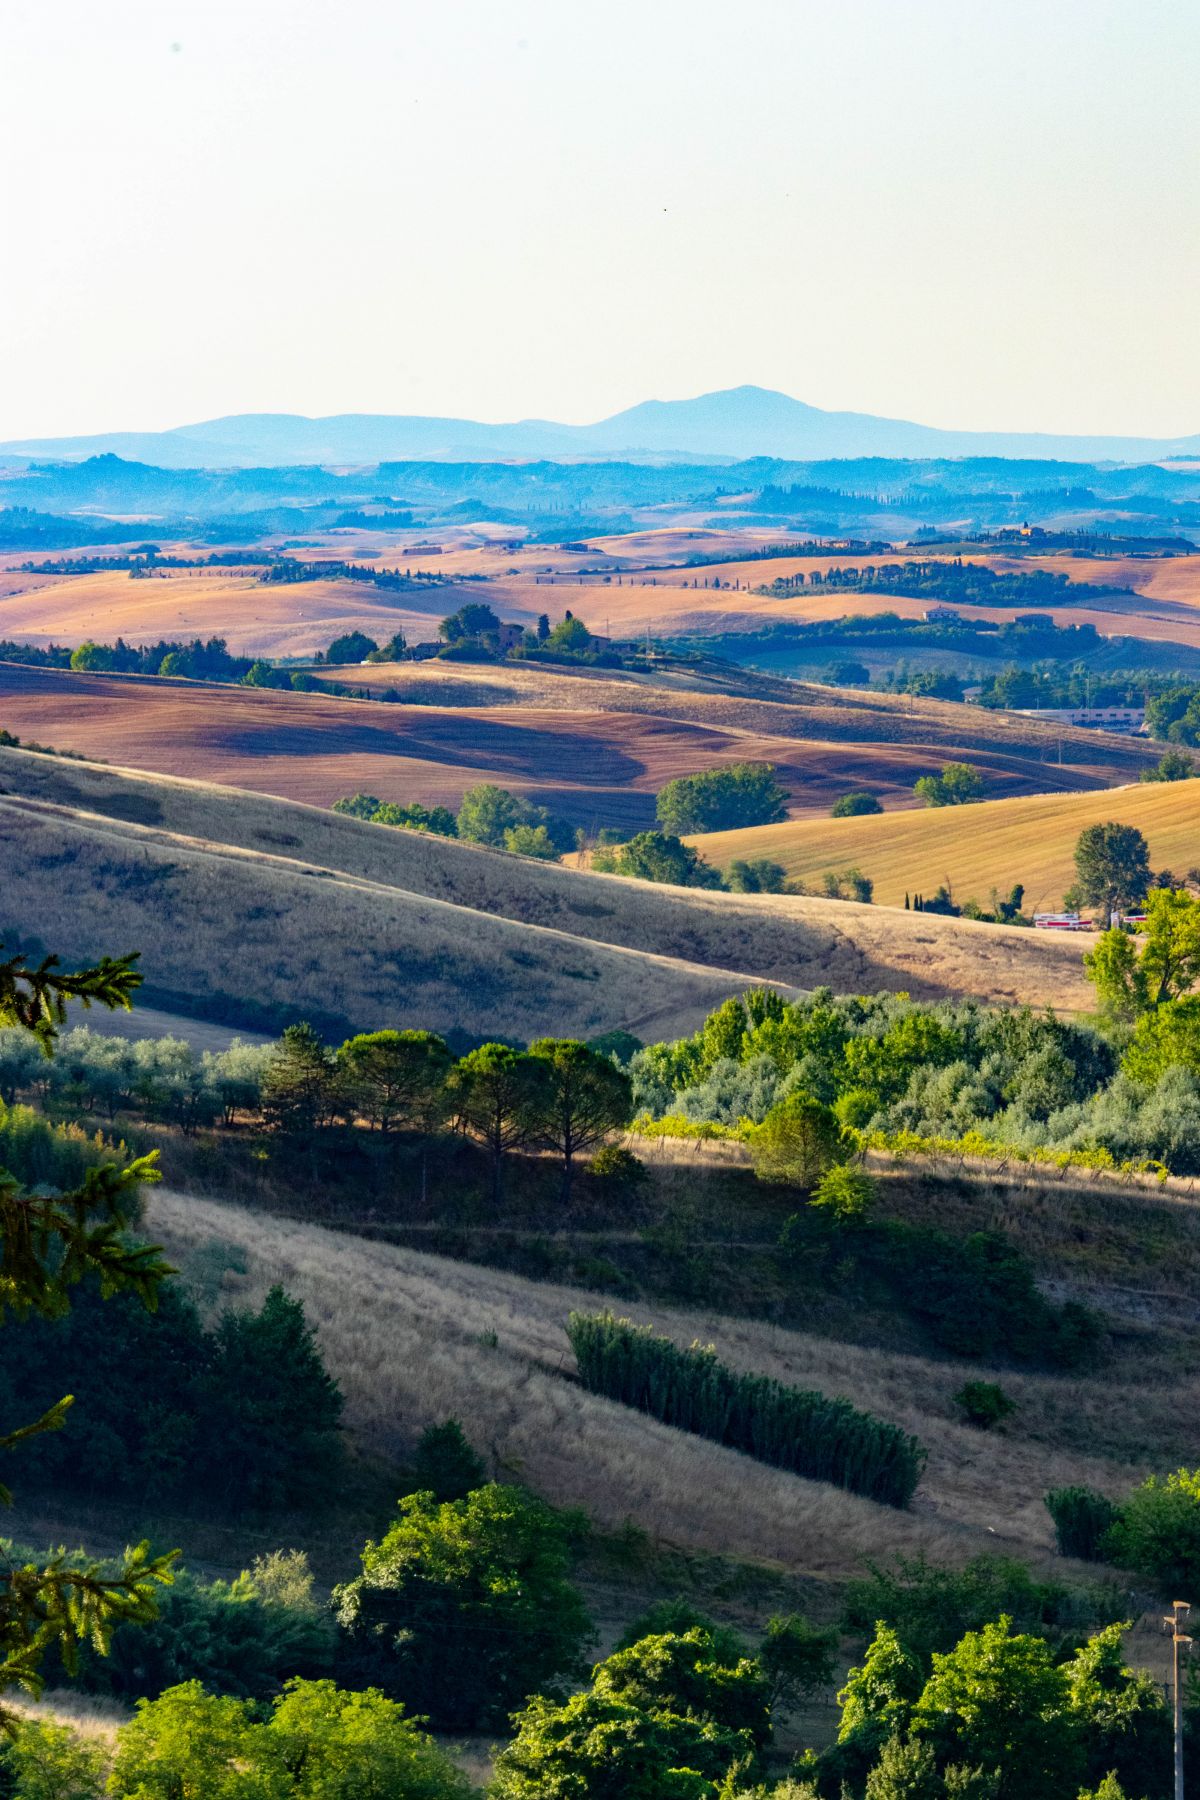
973,213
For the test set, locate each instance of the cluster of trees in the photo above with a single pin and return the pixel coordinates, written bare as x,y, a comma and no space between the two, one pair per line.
487,815
475,633
740,794
1174,715
889,1065
198,661
289,569
957,784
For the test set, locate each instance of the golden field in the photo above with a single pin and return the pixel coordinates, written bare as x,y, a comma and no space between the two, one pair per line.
972,849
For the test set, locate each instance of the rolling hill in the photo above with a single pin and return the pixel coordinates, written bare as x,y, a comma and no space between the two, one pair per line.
255,911
596,751
975,848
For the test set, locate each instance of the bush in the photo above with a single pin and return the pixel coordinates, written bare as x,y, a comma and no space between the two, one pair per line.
797,1142
985,1404
50,1762
1082,1520
619,1168
464,1607
804,1432
1157,1531
845,1194
854,806
720,799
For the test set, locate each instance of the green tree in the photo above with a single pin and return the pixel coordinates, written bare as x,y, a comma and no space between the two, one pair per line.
1175,765
878,1698
596,1748
906,1770
1168,965
1167,1038
844,1194
358,806
319,1743
655,856
93,659
353,647
48,1243
797,1142
49,1762
1115,969
280,1409
720,799
498,1094
471,621
957,785
465,1607
1112,866
298,1089
1121,1713
687,1674
1157,1532
395,1079
444,1464
797,1659
999,1701
486,813
854,806
584,1099
571,635
531,840
759,877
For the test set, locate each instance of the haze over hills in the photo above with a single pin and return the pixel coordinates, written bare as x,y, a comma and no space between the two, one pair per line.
729,425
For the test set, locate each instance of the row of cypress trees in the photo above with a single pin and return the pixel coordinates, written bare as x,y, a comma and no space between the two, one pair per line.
793,1428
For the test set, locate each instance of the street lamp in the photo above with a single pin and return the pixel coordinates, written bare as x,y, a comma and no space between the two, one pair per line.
1177,1617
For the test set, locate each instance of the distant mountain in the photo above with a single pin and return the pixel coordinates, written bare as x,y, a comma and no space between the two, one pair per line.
722,427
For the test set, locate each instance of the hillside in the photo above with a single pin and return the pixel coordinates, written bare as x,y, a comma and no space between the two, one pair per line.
973,849
302,910
597,751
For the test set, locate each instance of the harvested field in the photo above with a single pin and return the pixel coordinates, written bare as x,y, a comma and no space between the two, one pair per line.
975,848
297,905
596,750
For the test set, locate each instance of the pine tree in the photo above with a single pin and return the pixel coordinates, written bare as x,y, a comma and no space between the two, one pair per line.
48,1243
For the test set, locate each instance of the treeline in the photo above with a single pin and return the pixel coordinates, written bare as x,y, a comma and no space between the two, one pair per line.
288,569
798,1430
559,1096
1032,635
964,583
145,558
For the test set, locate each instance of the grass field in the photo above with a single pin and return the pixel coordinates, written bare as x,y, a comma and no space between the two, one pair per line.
241,901
975,848
414,1338
597,750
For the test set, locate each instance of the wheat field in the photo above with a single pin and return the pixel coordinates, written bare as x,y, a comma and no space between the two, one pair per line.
1030,839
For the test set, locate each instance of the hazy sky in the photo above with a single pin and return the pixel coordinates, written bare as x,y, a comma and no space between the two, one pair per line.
969,212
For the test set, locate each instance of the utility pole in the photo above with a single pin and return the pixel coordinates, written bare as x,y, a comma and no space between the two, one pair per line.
1177,1617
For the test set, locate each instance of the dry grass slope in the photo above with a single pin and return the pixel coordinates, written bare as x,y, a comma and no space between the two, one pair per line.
297,903
414,1338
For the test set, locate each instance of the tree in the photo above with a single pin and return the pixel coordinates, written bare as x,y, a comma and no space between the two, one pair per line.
570,635
280,1408
656,856
797,1142
844,1194
471,621
543,628
1167,1038
498,1094
585,1098
596,1748
759,877
395,1079
1175,765
358,806
531,840
999,1701
1168,965
486,813
687,1673
395,650
797,1659
1120,1711
854,806
50,1762
465,1607
48,1243
1157,1532
957,785
878,1698
93,658
906,1770
847,674
318,1743
297,1090
445,1465
719,799
353,647
1112,866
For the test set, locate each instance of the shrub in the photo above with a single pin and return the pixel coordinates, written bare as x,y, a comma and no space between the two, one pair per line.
1082,1520
985,1404
619,1168
845,1194
50,1762
444,1464
464,1607
804,1432
759,877
1157,1531
854,806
